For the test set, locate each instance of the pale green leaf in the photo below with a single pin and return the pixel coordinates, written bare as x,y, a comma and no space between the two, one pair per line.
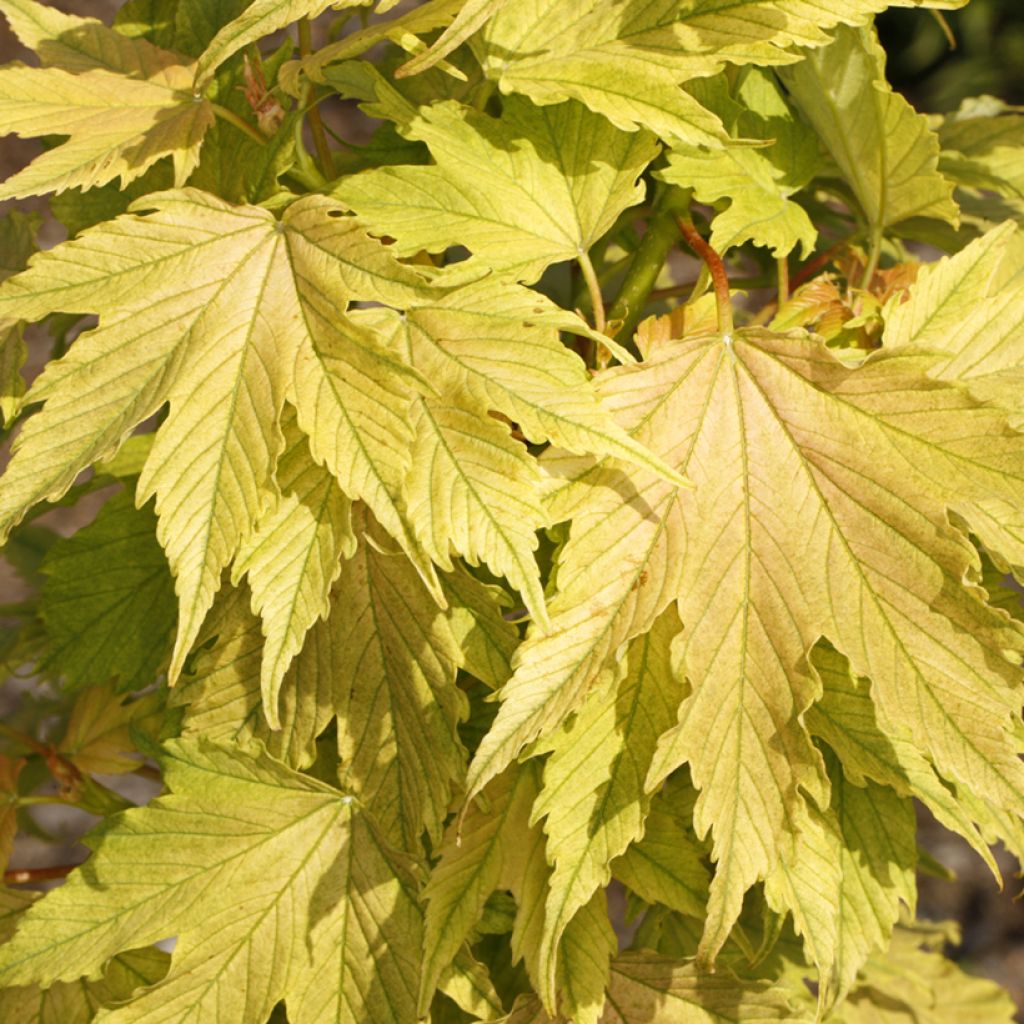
758,182
745,419
545,183
970,307
650,989
365,952
13,354
467,983
17,243
472,16
421,19
483,852
588,944
260,18
220,310
397,703
499,342
239,890
77,45
983,146
292,559
223,695
845,718
475,491
913,983
487,639
884,149
98,737
107,600
666,865
627,60
592,802
124,104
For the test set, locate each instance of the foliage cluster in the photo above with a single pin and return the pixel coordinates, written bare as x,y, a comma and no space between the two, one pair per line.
464,564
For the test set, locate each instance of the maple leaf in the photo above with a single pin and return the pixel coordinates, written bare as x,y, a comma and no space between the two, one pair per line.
981,145
743,418
221,311
259,19
17,243
969,307
628,60
842,90
107,600
74,1002
124,104
395,664
511,189
421,19
293,557
243,893
757,182
592,801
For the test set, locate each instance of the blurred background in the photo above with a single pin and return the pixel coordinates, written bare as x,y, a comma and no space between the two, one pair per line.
988,58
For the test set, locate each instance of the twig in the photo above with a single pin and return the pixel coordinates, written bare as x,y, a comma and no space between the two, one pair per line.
594,288
26,876
316,124
715,267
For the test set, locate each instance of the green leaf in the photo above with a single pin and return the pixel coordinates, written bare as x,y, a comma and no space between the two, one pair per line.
223,695
395,665
592,802
221,311
536,199
884,150
757,182
108,599
914,983
124,104
472,15
98,737
260,18
474,490
650,989
982,146
486,638
484,852
17,243
969,307
74,1002
292,559
242,893
499,342
401,30
666,865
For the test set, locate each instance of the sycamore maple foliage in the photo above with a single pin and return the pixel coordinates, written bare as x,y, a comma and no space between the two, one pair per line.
461,561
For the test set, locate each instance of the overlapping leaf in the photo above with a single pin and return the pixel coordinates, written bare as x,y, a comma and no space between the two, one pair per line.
124,104
221,311
757,182
626,60
240,862
982,144
744,418
892,168
73,1002
592,802
535,187
17,243
293,557
108,600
